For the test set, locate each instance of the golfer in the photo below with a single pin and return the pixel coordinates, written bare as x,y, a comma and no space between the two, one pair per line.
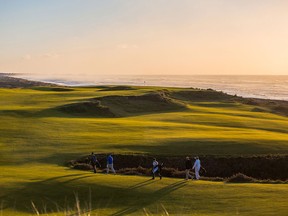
110,164
94,162
197,166
156,168
188,167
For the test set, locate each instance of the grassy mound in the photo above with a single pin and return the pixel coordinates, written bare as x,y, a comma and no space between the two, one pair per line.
273,106
201,95
12,82
120,106
91,108
146,103
281,109
116,88
257,109
55,89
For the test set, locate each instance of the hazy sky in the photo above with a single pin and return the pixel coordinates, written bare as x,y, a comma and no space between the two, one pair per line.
163,37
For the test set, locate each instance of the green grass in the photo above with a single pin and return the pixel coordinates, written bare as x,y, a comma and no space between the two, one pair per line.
54,191
36,140
31,129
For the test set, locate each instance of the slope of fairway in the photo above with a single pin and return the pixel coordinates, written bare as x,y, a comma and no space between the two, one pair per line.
53,189
32,131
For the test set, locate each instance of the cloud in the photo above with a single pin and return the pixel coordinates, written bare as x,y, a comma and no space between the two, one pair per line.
27,57
122,46
50,55
126,46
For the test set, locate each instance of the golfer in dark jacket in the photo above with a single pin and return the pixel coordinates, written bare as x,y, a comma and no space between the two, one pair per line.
94,162
188,167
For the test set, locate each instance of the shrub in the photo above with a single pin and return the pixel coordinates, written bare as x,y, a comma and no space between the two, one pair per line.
257,109
240,178
215,179
134,171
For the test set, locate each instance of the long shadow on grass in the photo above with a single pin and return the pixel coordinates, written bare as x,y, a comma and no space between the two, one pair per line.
26,156
49,194
58,194
153,198
141,184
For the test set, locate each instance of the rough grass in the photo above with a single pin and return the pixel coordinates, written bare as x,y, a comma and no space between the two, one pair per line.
122,106
116,88
138,104
240,178
56,89
89,108
200,95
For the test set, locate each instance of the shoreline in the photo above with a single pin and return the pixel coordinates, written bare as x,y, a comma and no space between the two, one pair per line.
84,84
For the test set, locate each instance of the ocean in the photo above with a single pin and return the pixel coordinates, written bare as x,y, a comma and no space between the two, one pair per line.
266,87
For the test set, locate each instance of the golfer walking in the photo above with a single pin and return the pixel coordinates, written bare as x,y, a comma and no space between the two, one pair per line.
188,167
156,168
110,164
197,166
94,162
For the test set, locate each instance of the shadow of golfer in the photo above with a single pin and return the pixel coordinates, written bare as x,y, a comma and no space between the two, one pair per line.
139,204
141,184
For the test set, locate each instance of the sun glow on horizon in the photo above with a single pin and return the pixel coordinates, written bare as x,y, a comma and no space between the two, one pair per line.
144,37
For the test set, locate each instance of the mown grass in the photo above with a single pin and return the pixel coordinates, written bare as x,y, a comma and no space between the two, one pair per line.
36,140
52,189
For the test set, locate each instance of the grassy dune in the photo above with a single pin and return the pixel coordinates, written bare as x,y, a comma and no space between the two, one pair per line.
37,138
32,127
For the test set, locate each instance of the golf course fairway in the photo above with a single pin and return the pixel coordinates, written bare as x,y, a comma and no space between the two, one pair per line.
44,127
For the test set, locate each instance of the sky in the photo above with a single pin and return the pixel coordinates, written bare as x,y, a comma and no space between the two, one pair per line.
147,37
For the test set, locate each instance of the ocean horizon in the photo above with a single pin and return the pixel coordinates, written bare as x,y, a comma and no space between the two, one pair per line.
255,86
